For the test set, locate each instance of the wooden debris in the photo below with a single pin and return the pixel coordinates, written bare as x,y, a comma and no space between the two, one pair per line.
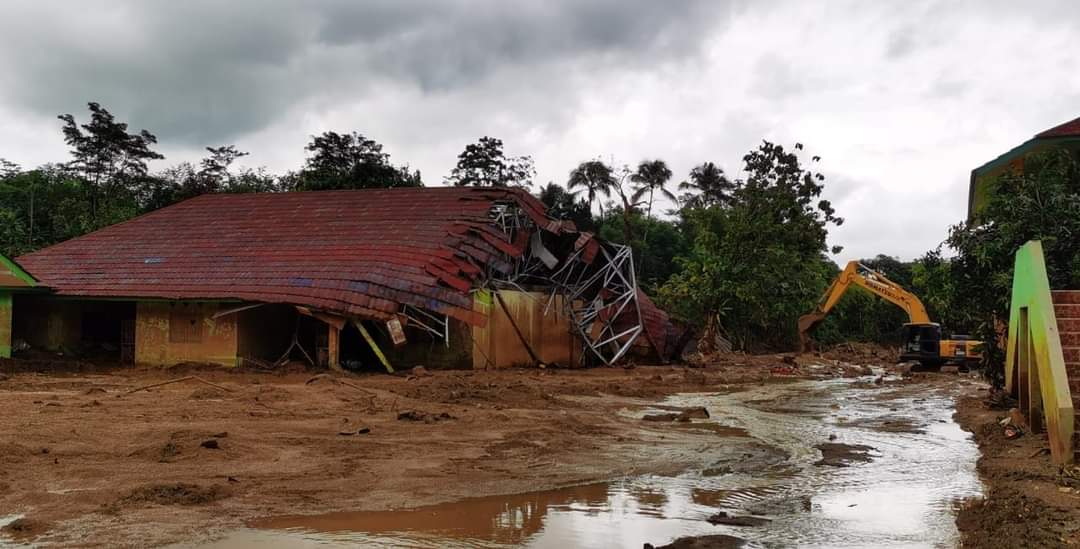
178,380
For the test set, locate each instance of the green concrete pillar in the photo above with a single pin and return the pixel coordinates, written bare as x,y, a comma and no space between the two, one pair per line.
5,324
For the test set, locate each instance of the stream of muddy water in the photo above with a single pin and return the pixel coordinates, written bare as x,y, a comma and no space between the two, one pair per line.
830,464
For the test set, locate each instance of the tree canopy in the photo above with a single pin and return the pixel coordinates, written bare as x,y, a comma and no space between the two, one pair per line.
484,164
758,263
350,161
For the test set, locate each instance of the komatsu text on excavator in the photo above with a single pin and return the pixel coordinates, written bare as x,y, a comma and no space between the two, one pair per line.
922,340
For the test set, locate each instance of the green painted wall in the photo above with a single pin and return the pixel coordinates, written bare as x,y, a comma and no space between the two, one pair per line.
982,178
5,324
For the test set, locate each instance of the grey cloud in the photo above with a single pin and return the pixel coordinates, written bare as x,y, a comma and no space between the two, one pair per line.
775,79
206,72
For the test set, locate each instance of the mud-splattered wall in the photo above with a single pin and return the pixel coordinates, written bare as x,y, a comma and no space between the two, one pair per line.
546,329
171,333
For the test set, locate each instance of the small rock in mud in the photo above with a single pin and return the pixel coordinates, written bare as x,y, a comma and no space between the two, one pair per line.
420,371
175,494
414,415
697,412
206,393
661,417
272,394
22,528
349,430
716,541
168,451
755,458
211,444
835,454
94,391
730,520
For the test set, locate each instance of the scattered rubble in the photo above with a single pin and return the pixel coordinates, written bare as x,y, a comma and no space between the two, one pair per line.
835,454
175,494
414,415
723,518
717,541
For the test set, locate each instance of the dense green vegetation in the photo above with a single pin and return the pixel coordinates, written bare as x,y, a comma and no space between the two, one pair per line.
743,255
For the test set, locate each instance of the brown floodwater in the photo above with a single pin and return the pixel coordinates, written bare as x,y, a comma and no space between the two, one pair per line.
921,466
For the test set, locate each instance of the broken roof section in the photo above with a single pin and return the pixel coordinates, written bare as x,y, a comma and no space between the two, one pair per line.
370,254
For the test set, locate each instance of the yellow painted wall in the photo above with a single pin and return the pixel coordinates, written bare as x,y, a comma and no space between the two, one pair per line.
497,345
153,347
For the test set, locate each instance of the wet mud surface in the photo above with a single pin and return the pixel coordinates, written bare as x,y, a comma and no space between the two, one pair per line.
1029,501
86,461
823,476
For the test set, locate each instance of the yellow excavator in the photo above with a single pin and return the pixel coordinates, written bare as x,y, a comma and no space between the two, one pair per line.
922,340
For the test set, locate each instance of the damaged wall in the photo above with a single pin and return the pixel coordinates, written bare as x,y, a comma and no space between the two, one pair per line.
170,333
423,349
263,333
498,345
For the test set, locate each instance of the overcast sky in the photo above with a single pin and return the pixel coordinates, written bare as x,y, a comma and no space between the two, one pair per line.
901,99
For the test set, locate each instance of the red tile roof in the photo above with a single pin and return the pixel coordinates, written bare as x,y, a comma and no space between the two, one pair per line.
1068,129
362,253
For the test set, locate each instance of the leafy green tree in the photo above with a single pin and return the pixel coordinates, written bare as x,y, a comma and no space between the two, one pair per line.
47,205
707,186
651,176
1042,203
656,245
350,161
757,264
596,178
109,159
563,204
484,164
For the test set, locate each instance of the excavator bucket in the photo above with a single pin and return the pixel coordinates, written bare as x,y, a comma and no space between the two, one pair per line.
807,323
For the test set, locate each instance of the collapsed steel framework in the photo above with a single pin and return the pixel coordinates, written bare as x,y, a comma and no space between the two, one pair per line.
596,280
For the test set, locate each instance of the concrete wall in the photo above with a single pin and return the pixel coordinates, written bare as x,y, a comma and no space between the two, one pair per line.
153,345
498,344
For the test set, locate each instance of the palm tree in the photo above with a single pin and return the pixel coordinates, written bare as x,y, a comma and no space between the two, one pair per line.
711,185
596,178
651,176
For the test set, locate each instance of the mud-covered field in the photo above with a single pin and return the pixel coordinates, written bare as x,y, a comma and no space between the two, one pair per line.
111,458
87,459
1029,501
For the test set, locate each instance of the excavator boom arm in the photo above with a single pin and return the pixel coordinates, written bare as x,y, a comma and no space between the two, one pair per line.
873,281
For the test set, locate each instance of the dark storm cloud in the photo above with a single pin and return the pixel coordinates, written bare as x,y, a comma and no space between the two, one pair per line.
206,72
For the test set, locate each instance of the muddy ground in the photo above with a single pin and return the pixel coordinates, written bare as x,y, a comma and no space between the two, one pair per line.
88,459
1029,501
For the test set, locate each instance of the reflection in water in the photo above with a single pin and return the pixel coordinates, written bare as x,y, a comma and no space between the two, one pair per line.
503,520
905,497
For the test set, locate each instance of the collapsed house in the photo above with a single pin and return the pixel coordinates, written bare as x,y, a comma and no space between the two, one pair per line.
445,277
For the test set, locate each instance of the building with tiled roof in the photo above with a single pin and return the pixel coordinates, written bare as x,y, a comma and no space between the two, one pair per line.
464,277
1066,135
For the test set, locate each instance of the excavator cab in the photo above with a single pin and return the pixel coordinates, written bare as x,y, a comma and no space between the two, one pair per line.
921,343
922,340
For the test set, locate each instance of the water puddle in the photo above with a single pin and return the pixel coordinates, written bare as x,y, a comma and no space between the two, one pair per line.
920,466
